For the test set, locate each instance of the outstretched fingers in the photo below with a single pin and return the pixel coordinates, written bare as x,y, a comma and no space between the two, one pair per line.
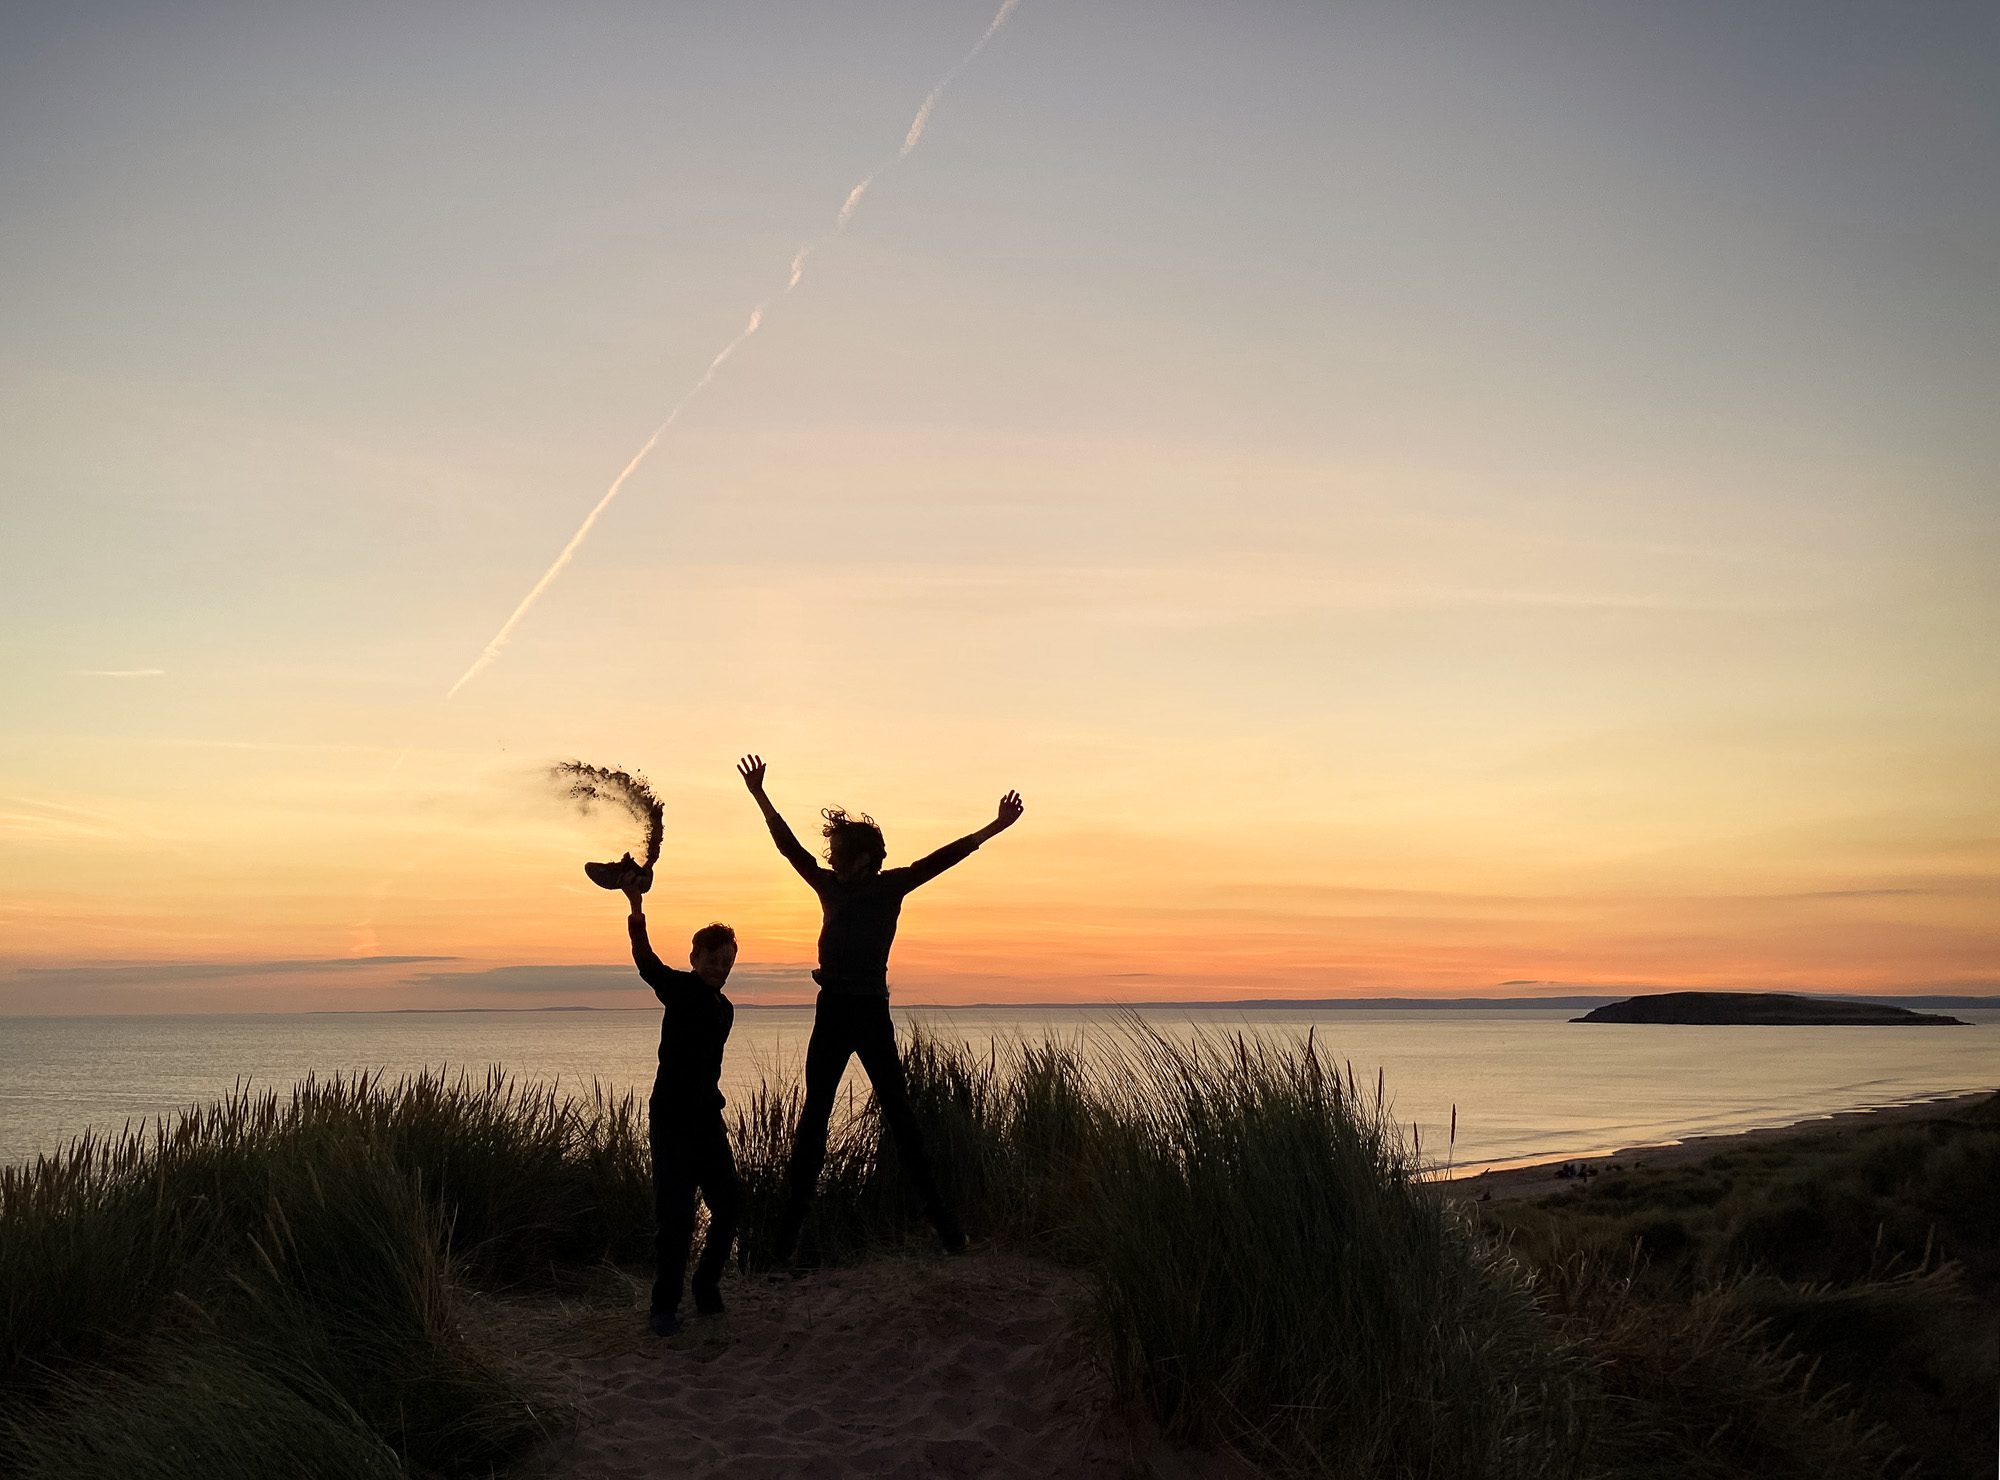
751,769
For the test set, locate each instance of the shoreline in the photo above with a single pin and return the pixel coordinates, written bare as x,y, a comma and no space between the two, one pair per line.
1540,1177
1502,1178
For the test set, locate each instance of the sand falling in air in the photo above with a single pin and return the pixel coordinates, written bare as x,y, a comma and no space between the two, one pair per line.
597,789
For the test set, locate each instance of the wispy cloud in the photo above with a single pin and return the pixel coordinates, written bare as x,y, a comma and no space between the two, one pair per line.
28,817
145,973
209,742
1193,596
119,672
573,980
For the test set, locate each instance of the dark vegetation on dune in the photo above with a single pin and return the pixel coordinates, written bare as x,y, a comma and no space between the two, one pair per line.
267,1285
272,1285
1862,1268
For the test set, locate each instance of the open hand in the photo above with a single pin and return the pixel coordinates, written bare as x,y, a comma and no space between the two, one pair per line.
751,769
1011,807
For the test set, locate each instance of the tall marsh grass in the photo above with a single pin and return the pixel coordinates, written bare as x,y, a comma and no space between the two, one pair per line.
1276,1275
1820,1307
1272,1272
306,1241
267,1285
94,1239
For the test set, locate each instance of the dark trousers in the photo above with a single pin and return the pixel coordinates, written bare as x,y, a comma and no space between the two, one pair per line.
842,1025
690,1151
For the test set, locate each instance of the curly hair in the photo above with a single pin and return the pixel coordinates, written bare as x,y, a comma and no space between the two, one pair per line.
846,830
709,937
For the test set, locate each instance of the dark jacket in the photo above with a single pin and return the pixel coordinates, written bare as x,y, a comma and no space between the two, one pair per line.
858,920
693,1029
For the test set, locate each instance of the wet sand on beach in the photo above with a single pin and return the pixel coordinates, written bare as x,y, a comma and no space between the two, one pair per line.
1543,1180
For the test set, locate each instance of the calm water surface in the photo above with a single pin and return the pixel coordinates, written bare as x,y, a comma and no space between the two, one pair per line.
1527,1083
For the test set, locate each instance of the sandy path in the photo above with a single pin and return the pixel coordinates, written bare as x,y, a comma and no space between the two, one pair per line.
902,1368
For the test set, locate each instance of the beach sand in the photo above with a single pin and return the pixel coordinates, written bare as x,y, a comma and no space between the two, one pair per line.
1542,1179
902,1367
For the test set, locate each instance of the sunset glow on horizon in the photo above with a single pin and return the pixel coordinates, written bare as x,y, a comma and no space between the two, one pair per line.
1418,505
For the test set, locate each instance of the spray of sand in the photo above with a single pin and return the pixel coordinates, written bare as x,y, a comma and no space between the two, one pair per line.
595,789
794,275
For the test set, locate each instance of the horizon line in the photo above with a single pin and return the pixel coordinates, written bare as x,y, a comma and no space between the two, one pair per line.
1936,999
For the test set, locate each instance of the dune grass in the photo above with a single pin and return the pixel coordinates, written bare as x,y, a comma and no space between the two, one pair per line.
1272,1273
95,1238
309,1242
268,1283
1275,1275
1839,1289
197,1409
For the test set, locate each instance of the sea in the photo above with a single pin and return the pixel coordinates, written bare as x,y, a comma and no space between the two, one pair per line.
1521,1084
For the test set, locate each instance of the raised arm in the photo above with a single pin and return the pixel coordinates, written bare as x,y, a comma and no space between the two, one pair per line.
932,864
662,978
751,769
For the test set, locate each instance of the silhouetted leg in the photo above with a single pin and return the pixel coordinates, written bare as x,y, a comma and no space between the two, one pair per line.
673,1212
875,1042
722,1190
826,1061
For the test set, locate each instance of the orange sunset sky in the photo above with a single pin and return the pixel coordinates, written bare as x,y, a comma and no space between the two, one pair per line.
1481,500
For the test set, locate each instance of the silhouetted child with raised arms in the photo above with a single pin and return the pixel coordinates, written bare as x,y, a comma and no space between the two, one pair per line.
689,1145
860,901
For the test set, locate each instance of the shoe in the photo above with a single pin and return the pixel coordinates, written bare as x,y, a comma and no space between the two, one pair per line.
708,1297
950,1235
664,1323
626,873
608,875
784,1244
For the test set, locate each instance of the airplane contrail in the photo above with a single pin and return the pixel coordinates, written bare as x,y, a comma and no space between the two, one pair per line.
492,649
853,199
795,274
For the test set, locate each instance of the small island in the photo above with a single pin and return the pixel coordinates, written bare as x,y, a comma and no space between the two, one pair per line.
1773,1009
